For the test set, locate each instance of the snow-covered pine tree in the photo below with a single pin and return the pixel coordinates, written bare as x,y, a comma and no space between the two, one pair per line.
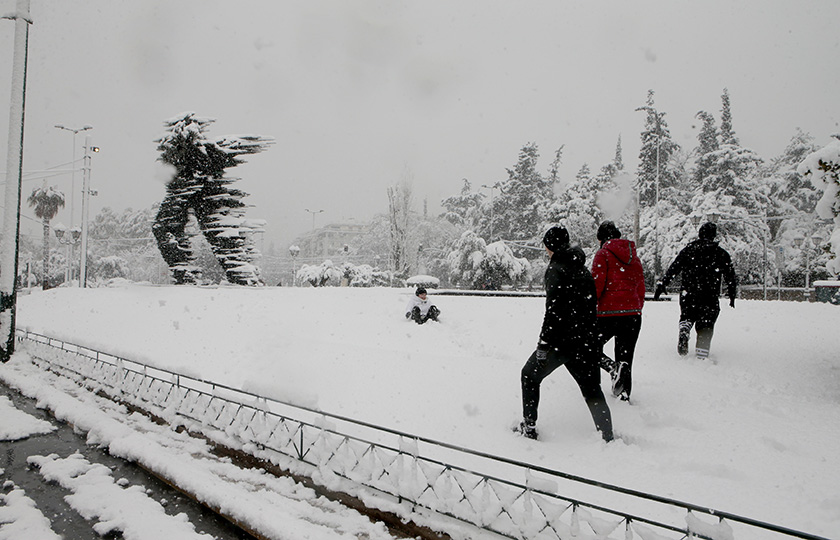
520,208
790,192
201,187
577,207
460,208
618,160
707,144
793,200
654,177
728,184
727,133
654,154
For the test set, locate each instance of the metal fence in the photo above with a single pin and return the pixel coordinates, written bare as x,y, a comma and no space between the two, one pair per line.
435,483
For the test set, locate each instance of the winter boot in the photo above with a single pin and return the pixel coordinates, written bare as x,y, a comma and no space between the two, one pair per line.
682,340
415,315
527,429
704,341
619,375
433,313
607,364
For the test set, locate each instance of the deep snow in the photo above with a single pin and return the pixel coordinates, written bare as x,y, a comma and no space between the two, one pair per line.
752,432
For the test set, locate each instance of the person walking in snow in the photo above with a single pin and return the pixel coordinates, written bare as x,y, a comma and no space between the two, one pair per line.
620,290
567,336
419,308
702,263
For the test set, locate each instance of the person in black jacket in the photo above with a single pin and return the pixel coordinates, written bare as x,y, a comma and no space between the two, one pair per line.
703,263
567,336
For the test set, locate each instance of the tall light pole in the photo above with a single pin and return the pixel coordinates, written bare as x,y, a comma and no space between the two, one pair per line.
86,193
313,212
491,188
68,240
73,169
806,244
294,251
9,241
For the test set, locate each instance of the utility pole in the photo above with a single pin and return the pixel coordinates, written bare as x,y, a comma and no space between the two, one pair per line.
9,244
86,193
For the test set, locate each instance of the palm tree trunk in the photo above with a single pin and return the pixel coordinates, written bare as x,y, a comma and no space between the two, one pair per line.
46,265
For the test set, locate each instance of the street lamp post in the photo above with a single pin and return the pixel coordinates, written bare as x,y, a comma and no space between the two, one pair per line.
69,241
491,188
812,241
73,169
294,251
313,212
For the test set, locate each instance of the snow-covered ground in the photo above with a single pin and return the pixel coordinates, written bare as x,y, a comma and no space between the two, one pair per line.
752,432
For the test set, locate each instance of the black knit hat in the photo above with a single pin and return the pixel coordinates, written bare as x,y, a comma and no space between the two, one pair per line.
708,231
556,238
419,291
607,231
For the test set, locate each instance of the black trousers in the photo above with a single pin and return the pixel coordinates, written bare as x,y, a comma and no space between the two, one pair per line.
702,313
583,367
625,329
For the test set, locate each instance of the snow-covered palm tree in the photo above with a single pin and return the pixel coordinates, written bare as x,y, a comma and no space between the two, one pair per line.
47,201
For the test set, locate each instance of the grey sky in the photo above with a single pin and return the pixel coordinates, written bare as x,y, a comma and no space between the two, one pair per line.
357,93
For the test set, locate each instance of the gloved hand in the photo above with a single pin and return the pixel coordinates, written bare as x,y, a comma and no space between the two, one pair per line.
660,290
732,301
542,352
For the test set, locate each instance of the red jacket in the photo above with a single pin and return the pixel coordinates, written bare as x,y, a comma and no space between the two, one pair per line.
619,279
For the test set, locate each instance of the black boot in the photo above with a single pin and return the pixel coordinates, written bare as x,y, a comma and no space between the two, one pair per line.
682,340
415,315
527,429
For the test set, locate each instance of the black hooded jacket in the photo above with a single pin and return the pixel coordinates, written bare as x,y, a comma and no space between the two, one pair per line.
570,301
703,263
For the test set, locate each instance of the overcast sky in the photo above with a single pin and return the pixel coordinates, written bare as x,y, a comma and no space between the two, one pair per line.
357,93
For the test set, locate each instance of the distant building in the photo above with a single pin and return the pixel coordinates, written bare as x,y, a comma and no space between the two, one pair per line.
328,242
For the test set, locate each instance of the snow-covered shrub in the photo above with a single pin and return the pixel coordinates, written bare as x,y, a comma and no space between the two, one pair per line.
823,169
429,282
475,264
109,267
325,273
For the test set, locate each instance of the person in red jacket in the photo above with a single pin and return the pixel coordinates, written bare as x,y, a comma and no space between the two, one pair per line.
620,290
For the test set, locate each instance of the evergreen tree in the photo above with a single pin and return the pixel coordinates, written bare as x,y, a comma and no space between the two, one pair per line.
201,188
577,207
618,161
707,144
655,177
727,133
654,155
520,209
789,190
554,168
460,208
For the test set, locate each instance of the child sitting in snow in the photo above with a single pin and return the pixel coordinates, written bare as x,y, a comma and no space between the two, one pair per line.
419,308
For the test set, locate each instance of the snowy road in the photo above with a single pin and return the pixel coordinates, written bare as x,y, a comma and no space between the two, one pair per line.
50,504
60,485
